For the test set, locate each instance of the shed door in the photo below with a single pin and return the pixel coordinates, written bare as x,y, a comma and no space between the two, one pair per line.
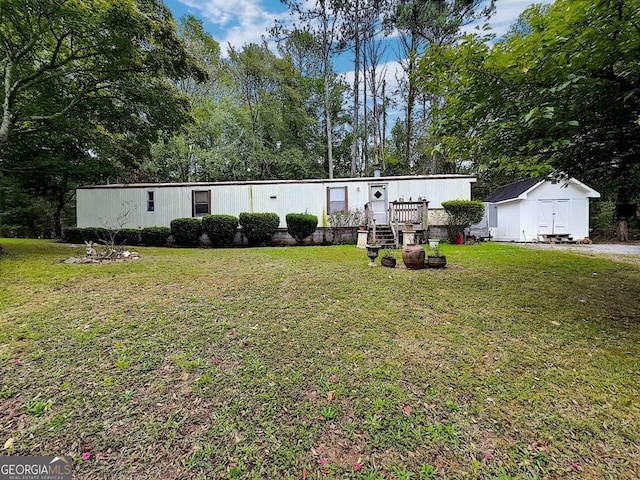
378,203
553,217
561,216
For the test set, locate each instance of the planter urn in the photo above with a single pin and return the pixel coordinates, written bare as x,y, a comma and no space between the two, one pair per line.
372,253
434,261
389,262
413,257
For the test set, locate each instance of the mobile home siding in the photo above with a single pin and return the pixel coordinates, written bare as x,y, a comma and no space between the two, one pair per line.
101,205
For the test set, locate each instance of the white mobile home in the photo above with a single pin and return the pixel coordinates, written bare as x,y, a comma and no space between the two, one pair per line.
533,209
156,204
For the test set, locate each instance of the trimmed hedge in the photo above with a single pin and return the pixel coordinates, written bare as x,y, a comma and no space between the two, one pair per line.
186,231
128,236
155,236
221,229
301,226
88,234
259,227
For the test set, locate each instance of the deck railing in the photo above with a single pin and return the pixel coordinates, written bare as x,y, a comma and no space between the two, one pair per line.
415,213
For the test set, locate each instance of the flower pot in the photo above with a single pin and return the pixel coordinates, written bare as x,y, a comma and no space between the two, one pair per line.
433,242
436,262
413,257
388,262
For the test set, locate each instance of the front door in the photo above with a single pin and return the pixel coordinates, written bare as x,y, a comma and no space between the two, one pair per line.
378,203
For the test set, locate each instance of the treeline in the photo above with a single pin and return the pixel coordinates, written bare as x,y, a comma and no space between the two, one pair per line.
98,92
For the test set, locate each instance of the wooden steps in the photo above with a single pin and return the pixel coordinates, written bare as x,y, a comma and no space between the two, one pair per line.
385,237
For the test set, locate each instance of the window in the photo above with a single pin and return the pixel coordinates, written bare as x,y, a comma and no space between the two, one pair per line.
201,203
336,199
150,202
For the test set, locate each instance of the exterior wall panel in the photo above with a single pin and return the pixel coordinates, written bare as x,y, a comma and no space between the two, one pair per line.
99,205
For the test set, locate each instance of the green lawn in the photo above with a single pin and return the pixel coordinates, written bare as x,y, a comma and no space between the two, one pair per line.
305,363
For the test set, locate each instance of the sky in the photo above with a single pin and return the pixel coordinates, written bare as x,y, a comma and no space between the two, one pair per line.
238,22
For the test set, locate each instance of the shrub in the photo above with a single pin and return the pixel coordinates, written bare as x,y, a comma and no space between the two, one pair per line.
462,214
186,231
603,219
221,229
342,220
259,227
301,226
128,236
72,235
155,236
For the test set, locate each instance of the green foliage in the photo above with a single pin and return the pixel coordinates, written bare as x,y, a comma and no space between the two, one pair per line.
602,216
301,225
127,236
259,227
72,235
462,214
537,101
186,231
221,229
155,236
341,220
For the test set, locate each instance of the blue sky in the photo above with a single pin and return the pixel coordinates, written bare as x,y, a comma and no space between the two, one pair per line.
237,22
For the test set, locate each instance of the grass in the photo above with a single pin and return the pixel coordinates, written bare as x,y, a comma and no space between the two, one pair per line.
305,363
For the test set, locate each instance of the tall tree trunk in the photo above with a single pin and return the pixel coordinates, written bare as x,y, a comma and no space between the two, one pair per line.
5,125
622,223
365,130
356,106
411,102
383,136
327,109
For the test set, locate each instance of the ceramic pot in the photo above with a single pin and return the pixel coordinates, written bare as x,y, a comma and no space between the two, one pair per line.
413,257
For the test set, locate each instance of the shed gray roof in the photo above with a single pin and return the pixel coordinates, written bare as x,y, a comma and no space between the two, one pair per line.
513,190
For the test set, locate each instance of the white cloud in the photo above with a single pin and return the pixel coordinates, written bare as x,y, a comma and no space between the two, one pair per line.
506,14
239,21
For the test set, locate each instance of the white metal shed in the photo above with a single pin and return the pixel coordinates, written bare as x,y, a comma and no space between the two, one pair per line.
156,204
535,209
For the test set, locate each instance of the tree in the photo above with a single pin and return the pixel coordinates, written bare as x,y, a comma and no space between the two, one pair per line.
85,91
322,19
562,92
59,57
424,25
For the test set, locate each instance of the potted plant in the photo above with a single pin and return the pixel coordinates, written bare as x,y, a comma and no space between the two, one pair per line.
436,259
388,259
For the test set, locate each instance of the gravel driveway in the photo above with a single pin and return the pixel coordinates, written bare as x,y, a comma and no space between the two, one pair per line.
604,249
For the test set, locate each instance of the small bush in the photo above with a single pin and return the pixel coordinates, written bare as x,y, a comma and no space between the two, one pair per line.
259,227
221,229
155,236
301,226
343,220
462,214
127,236
72,235
186,231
